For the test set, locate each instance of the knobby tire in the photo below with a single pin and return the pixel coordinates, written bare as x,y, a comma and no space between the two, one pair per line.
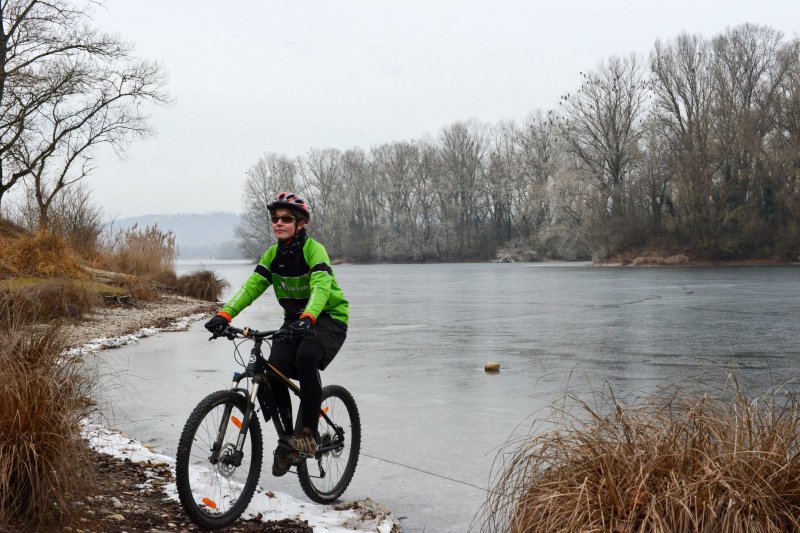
192,501
343,464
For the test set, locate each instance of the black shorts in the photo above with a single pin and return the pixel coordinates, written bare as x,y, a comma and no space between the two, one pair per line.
328,333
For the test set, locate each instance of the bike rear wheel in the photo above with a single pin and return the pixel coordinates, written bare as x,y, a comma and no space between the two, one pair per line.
212,490
325,477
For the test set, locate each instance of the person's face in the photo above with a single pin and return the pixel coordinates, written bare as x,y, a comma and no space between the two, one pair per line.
285,224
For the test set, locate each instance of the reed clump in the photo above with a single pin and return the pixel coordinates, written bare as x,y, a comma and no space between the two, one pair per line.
43,460
676,461
201,284
139,251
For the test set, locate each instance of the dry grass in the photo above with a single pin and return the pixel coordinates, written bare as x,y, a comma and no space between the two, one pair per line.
43,461
166,279
35,300
141,252
660,260
37,254
675,462
139,288
202,284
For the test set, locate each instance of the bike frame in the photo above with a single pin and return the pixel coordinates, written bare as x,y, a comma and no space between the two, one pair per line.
257,370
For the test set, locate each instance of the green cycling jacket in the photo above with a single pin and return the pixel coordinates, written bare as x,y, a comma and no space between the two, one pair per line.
303,282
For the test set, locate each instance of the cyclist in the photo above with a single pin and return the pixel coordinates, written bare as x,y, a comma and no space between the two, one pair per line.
315,317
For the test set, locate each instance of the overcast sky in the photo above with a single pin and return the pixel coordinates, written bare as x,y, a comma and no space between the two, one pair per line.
288,76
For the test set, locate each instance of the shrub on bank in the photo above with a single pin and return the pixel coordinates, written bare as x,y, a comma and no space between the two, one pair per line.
202,284
676,462
43,460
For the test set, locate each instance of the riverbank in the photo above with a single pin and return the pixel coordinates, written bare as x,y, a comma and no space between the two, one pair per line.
134,489
665,259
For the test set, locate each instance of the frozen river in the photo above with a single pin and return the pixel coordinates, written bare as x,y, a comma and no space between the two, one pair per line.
419,336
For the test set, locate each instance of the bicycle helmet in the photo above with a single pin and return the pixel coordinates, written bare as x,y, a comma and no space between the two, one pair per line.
292,202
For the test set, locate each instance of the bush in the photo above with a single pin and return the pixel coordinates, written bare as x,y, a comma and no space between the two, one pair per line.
43,460
676,462
202,284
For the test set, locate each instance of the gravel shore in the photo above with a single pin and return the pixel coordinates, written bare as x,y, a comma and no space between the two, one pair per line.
119,320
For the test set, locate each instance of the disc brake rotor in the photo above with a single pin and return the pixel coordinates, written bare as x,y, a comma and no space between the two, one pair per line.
225,467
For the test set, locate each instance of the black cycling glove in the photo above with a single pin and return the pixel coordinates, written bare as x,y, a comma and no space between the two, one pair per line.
299,328
217,324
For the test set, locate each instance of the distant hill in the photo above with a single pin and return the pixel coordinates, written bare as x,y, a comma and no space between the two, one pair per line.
198,236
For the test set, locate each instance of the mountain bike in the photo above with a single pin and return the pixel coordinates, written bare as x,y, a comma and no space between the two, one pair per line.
220,451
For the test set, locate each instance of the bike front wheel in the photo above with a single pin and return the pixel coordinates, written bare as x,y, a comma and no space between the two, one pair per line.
325,477
214,490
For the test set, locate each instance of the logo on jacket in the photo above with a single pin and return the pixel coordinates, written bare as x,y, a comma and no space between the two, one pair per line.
288,288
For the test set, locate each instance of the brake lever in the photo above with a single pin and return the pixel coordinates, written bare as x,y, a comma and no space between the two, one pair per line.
281,334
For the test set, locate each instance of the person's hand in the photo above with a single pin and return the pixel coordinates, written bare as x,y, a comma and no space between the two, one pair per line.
299,328
217,324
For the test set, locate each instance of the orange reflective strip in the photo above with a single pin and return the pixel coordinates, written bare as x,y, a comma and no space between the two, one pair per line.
324,410
209,503
236,422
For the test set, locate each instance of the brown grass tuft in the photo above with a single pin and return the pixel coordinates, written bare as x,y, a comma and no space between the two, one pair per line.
660,260
675,462
140,288
39,254
10,229
166,279
43,460
43,300
202,284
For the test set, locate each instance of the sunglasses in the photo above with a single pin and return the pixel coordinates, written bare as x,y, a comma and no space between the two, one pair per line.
286,219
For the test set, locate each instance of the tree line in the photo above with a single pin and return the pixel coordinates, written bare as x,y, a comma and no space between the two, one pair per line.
693,149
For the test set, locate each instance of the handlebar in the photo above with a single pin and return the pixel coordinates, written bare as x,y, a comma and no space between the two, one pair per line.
235,333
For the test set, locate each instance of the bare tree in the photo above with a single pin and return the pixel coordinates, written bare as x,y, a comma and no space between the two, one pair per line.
536,172
271,174
749,69
602,125
65,88
322,175
361,201
463,148
683,89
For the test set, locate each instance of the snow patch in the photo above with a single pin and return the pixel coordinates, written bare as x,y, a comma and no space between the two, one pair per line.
360,517
102,343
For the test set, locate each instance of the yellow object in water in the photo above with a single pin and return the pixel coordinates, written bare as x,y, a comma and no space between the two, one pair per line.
491,366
